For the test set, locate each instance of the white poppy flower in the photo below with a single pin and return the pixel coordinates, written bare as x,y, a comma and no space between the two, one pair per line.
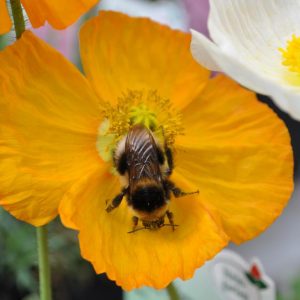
257,43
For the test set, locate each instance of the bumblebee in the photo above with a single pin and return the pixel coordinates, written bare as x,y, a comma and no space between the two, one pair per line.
145,167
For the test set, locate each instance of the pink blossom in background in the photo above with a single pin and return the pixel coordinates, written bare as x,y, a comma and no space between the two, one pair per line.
65,41
198,14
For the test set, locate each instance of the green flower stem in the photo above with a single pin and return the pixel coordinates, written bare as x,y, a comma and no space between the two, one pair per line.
44,270
42,240
172,292
18,17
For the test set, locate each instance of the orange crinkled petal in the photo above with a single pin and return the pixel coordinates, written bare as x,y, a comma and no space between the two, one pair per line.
58,13
5,22
49,119
137,259
237,152
139,54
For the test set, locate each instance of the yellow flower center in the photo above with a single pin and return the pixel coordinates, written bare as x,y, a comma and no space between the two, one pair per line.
291,55
143,115
137,107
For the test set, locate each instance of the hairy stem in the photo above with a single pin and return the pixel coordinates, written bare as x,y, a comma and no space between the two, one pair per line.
172,292
44,269
18,17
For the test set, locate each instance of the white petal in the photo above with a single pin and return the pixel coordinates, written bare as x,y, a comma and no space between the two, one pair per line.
209,55
293,100
202,50
247,35
285,97
253,30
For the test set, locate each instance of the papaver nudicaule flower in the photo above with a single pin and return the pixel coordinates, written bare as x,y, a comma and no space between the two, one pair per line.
256,43
59,13
59,130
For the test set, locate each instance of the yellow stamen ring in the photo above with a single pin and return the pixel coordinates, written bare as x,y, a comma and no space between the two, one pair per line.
137,107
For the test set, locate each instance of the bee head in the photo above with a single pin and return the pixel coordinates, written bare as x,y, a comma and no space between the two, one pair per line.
149,201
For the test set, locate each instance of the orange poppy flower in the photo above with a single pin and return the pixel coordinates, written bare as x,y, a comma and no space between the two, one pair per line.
59,13
59,129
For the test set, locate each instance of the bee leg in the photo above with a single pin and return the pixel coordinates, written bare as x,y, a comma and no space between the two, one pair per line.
177,192
116,201
170,160
171,219
135,221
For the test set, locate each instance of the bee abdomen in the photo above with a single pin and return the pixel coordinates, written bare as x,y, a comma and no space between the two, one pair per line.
147,198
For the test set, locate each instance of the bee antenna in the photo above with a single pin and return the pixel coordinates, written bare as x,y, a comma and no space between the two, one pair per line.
138,229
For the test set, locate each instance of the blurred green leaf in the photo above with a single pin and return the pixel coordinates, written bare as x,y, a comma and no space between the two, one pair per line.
18,263
3,41
296,289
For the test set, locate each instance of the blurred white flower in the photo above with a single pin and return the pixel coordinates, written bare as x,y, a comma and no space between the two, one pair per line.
168,12
258,44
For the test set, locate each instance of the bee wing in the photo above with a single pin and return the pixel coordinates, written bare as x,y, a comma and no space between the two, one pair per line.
142,155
